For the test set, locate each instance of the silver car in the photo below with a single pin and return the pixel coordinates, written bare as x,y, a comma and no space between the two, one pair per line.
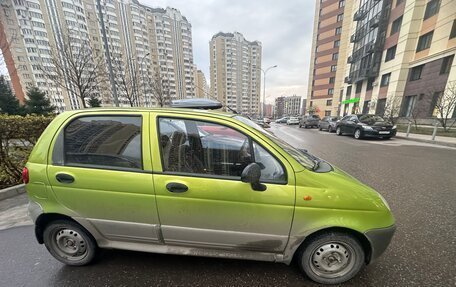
328,123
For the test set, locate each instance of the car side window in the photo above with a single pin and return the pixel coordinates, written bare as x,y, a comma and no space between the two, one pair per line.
271,169
345,118
197,147
103,141
354,119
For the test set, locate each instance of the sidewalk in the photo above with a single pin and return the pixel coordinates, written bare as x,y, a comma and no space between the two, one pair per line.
439,140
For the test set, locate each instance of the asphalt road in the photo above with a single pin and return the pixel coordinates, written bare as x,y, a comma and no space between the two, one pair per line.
418,181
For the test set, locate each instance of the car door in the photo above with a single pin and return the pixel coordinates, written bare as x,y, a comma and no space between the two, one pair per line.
200,198
343,124
351,124
100,171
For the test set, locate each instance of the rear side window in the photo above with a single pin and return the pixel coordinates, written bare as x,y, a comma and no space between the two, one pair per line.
197,147
110,142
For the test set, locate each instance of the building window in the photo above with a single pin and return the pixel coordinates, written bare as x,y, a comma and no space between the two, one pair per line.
310,104
446,65
435,102
408,106
385,80
370,84
336,43
329,102
366,107
453,31
380,109
349,91
415,73
359,86
330,91
333,68
425,41
399,2
335,56
327,113
396,26
340,17
111,142
338,30
432,8
341,3
332,80
390,53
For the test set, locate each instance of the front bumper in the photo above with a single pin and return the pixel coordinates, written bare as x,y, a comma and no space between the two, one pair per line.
379,240
376,134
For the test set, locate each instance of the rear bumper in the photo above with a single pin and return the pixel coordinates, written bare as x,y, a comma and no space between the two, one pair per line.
379,240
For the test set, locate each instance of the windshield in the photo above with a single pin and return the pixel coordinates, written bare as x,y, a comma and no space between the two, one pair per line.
370,119
250,123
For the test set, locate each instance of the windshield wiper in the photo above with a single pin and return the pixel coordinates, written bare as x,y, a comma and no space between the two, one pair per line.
314,159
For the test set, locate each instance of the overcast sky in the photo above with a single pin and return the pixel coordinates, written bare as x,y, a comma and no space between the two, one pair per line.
284,28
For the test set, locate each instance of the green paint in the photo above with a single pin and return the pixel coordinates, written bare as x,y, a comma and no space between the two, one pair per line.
354,100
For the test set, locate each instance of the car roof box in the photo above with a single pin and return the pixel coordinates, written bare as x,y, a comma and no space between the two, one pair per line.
205,104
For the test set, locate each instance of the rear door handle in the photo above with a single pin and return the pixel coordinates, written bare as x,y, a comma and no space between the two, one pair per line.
64,178
176,187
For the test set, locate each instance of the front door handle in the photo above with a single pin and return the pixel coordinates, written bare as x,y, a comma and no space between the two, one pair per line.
64,178
176,187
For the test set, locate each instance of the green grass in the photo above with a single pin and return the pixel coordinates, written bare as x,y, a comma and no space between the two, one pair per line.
427,131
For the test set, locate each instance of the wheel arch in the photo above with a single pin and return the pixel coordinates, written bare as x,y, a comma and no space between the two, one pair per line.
46,218
365,244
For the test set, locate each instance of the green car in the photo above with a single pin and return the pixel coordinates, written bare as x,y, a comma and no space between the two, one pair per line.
202,183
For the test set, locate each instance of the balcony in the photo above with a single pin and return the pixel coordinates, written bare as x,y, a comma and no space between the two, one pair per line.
348,80
350,60
369,48
374,22
354,38
359,15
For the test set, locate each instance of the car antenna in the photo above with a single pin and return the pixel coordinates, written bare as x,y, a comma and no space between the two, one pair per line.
214,98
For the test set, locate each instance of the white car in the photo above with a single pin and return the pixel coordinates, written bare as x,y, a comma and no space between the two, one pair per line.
293,121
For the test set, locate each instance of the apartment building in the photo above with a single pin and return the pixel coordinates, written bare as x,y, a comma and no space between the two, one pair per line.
399,58
288,106
136,44
235,67
329,54
279,107
201,87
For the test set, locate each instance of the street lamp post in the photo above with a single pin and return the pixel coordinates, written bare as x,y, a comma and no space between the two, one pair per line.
144,80
264,88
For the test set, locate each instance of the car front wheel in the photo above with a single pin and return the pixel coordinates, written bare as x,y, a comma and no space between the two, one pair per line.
69,243
338,131
358,134
331,258
330,129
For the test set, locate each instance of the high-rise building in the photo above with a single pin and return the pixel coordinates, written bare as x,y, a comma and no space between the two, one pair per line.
292,105
328,54
235,65
137,45
399,57
201,87
279,107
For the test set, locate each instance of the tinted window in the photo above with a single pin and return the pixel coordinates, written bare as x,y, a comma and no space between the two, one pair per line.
104,141
371,119
198,147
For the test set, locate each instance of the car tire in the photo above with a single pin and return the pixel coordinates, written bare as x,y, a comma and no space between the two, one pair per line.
330,129
338,131
69,243
358,134
387,138
299,126
319,128
331,258
305,126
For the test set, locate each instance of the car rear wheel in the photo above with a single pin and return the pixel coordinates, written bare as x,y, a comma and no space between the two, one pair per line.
319,128
338,131
69,243
330,129
331,258
358,134
305,126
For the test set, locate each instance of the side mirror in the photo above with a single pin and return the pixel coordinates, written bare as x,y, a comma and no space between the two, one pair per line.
252,174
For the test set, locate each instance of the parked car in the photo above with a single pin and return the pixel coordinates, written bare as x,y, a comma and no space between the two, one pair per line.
309,121
328,123
204,183
282,120
293,121
361,126
267,120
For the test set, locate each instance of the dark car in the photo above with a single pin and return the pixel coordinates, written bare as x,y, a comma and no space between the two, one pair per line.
328,123
366,126
309,121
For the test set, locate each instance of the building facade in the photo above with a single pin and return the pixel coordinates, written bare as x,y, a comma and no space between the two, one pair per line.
288,106
131,46
201,87
399,58
235,72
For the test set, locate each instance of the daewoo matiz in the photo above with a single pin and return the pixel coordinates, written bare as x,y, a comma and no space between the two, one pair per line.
198,182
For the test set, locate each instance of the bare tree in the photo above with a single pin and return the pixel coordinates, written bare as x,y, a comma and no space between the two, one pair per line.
160,90
127,79
392,108
445,103
77,68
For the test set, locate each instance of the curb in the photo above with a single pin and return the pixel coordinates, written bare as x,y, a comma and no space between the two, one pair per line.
427,141
12,191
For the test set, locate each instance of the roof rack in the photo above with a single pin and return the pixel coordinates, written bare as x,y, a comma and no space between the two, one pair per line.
204,104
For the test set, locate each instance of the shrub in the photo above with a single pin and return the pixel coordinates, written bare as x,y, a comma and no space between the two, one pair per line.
18,135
